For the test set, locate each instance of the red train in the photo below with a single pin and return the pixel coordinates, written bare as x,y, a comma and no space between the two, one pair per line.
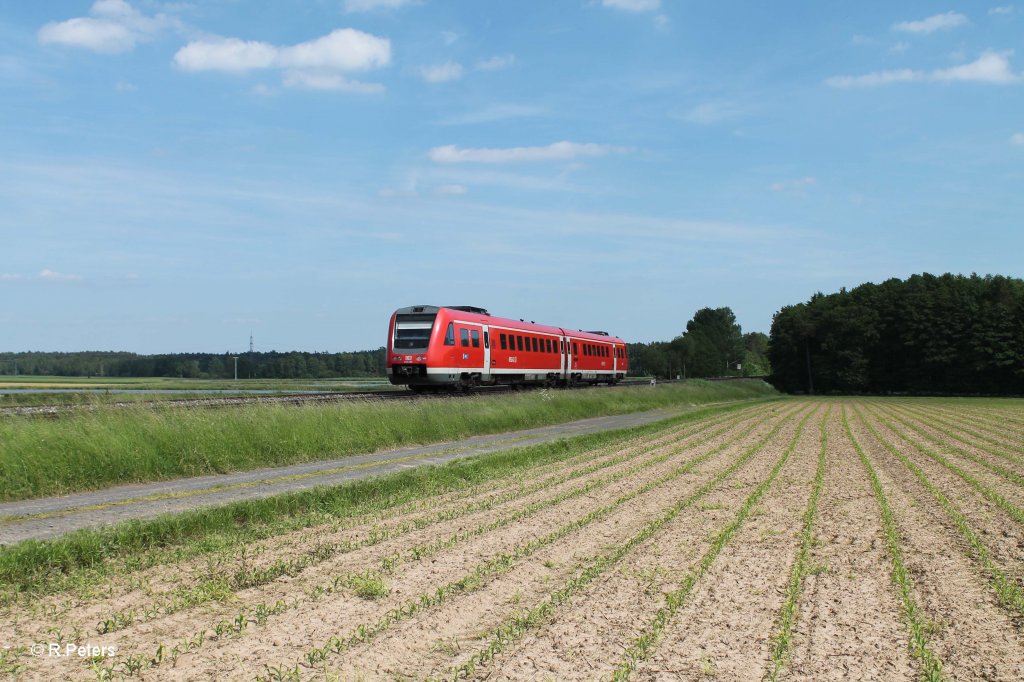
432,347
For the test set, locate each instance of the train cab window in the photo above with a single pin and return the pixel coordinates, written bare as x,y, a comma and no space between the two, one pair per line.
534,343
519,342
504,342
449,336
475,335
464,337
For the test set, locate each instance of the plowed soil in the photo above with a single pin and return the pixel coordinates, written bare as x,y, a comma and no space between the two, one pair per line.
671,556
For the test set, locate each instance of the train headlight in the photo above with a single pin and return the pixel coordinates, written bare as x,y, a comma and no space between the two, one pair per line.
421,358
396,358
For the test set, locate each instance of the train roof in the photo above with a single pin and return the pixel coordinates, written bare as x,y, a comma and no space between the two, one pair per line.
481,315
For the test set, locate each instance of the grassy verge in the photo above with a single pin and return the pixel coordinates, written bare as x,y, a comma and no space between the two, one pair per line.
105,447
52,564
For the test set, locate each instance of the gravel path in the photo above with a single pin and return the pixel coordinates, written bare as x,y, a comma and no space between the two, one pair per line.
50,517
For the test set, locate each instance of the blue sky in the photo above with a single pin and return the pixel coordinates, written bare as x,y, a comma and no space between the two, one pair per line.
174,175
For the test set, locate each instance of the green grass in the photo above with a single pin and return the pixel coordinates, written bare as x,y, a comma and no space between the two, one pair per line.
104,447
83,556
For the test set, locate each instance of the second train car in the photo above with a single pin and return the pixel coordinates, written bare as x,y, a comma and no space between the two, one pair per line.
435,347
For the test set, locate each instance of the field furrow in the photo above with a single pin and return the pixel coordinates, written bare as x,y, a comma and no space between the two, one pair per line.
801,539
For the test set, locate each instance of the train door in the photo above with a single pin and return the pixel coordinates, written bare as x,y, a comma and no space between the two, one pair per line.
469,353
485,374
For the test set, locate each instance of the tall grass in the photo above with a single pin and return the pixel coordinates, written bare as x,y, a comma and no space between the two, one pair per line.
103,447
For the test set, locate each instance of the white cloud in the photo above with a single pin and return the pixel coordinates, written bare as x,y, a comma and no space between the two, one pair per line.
990,67
114,26
799,183
1017,138
1003,9
52,276
442,73
633,5
343,49
900,47
558,151
502,61
452,190
371,5
873,79
328,81
125,86
8,276
937,22
317,64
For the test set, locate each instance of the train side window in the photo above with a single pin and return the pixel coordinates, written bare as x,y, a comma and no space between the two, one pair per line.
547,344
475,334
575,349
504,341
519,342
464,337
533,342
449,336
487,340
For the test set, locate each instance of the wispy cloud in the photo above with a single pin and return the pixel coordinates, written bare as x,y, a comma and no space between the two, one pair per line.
558,151
1017,138
53,276
9,276
1003,9
113,26
991,67
452,190
933,23
633,5
352,6
317,64
502,61
442,73
498,112
709,113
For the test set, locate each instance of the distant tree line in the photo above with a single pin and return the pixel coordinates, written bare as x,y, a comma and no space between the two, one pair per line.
270,365
713,345
949,334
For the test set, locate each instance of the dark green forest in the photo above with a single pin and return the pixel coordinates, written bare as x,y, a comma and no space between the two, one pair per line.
713,345
948,334
271,365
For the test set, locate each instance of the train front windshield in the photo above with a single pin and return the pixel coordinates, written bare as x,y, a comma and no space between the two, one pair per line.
412,331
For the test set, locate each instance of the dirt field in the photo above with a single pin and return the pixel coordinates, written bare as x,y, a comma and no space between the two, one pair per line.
805,539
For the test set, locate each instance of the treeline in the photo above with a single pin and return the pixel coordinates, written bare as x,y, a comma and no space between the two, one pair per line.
270,365
932,335
713,345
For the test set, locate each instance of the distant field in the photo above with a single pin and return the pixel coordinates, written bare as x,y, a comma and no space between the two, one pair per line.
98,390
806,539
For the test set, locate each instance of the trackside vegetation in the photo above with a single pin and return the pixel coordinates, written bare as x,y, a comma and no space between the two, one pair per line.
105,447
33,566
